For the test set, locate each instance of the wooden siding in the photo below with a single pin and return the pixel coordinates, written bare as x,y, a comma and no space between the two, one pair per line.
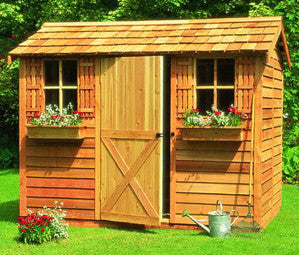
57,169
271,149
207,171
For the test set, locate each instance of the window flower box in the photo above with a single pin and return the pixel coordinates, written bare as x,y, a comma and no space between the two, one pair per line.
55,132
208,133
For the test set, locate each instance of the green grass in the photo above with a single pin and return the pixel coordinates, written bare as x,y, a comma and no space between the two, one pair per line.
280,237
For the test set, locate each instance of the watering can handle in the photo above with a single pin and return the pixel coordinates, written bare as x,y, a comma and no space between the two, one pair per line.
221,207
236,217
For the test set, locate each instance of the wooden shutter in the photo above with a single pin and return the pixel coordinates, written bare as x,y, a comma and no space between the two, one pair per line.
185,84
34,95
244,83
86,81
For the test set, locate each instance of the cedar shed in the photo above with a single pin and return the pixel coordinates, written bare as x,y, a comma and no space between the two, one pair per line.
133,81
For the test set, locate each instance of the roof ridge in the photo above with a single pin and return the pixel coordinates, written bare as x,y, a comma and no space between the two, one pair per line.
162,22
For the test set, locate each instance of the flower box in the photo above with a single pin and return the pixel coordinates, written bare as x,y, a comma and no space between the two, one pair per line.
55,132
212,133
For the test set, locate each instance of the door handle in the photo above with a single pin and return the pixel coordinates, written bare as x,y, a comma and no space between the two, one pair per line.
158,135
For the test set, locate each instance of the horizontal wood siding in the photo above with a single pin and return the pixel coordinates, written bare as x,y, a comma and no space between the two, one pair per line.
207,171
272,97
59,169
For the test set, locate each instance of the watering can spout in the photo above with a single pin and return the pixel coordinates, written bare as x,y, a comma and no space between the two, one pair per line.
197,222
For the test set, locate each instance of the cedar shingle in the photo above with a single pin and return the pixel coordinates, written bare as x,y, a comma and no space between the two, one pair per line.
248,46
215,39
220,47
256,38
201,39
263,46
268,38
212,25
153,36
228,38
242,38
234,46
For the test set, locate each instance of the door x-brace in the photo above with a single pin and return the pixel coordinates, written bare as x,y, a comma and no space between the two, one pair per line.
129,176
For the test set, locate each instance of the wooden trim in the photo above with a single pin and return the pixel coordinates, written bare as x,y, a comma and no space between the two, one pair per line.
124,134
135,219
215,83
173,119
22,138
97,138
257,188
161,22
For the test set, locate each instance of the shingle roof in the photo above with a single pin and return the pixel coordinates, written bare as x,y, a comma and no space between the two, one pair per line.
153,37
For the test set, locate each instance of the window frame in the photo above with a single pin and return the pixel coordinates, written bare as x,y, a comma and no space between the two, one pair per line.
60,86
215,86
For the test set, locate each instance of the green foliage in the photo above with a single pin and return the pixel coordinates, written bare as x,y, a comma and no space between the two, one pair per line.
20,18
8,151
291,164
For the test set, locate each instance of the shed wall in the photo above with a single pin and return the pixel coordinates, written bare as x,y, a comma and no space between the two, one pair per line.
207,171
57,170
271,155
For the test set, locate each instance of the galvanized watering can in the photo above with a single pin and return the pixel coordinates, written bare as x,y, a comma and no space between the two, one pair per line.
219,221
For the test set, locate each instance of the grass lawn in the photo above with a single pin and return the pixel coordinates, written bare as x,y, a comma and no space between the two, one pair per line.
280,237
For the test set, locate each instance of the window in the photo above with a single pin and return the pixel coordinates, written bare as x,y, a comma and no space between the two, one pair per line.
61,82
214,83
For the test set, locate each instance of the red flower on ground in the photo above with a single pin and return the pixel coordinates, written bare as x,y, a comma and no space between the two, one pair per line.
218,113
24,229
42,229
53,117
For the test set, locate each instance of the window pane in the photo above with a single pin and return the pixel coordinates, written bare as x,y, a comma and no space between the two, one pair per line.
70,96
205,72
51,73
225,98
225,72
204,100
69,72
52,96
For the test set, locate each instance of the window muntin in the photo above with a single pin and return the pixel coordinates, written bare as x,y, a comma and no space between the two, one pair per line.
214,84
61,82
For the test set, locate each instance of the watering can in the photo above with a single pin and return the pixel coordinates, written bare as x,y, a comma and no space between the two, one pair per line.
219,221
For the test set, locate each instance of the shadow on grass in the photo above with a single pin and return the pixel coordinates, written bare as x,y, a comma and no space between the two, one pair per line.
9,211
9,171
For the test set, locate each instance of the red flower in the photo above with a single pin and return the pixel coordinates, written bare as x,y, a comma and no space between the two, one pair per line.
218,113
232,109
24,229
75,112
53,117
42,229
57,116
195,110
36,115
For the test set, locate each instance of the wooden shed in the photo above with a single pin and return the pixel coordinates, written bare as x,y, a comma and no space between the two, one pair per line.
133,81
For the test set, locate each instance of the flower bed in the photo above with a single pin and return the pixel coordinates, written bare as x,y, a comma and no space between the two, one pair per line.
216,126
209,133
53,125
43,226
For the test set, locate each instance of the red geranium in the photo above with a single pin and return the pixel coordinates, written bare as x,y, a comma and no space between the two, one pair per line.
36,115
195,110
217,113
232,109
53,117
